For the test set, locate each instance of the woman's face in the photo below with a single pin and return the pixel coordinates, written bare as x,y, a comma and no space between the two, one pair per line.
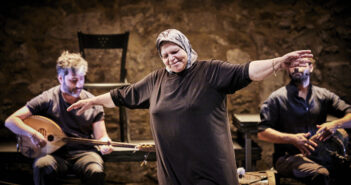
173,56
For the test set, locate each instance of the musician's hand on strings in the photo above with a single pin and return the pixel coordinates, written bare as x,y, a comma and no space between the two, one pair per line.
105,149
81,106
326,130
303,143
38,140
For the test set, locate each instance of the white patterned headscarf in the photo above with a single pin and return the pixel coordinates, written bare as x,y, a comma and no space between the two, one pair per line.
176,37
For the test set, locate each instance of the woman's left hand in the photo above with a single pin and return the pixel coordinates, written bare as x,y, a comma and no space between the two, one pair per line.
81,106
296,58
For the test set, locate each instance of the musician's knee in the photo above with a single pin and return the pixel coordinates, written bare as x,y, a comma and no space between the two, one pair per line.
321,177
93,168
47,161
91,163
92,156
322,171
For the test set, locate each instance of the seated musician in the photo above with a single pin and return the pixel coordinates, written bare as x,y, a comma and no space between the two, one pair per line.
291,116
84,160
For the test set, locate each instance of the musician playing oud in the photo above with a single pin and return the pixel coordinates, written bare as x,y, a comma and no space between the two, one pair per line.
289,119
84,160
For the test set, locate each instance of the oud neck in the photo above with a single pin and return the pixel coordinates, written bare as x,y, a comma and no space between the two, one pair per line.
97,142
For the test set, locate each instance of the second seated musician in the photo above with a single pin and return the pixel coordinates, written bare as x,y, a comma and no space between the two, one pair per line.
291,115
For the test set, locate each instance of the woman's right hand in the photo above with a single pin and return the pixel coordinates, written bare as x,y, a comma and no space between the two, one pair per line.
296,58
81,105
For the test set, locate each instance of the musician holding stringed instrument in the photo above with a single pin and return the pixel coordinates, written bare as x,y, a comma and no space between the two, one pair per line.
290,118
44,126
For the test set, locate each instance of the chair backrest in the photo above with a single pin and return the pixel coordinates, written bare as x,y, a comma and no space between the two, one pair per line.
106,41
109,41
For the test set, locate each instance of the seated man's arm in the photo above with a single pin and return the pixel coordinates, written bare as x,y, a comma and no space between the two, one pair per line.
326,130
16,125
299,140
338,108
100,133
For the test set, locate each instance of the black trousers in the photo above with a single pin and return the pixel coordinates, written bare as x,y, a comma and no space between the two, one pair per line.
87,165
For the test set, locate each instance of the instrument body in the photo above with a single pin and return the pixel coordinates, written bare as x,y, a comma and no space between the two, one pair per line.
56,138
332,153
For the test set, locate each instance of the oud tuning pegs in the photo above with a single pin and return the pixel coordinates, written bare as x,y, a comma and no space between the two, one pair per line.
144,163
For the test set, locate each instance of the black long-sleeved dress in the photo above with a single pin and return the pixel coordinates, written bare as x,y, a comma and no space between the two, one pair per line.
189,120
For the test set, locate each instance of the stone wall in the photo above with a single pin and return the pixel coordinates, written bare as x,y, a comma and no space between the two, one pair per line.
35,33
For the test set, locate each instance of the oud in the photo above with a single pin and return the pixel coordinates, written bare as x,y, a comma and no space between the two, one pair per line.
56,138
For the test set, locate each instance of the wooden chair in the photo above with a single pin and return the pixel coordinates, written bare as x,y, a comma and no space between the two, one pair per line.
109,41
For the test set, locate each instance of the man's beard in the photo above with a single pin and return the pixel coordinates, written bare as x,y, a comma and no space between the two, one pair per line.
300,77
75,92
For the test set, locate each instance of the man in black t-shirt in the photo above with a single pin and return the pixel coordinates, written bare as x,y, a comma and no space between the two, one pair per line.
83,160
290,116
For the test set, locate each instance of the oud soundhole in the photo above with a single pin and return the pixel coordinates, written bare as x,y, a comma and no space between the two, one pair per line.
50,138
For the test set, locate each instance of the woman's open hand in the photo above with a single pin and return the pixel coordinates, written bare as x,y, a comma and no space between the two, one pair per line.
296,58
81,105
